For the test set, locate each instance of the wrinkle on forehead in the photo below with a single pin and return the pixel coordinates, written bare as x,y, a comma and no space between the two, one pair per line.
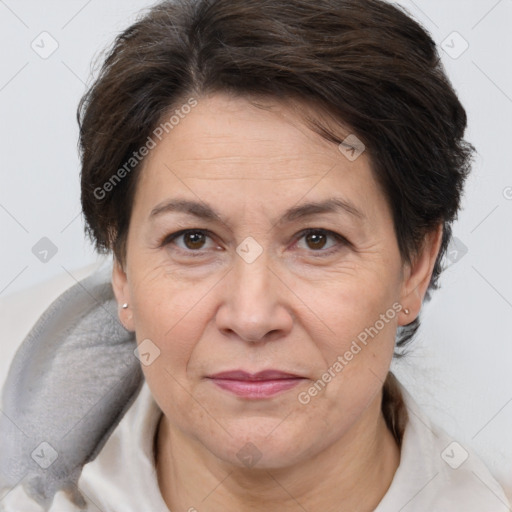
222,131
247,170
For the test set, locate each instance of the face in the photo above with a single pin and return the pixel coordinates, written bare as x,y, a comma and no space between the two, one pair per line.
256,245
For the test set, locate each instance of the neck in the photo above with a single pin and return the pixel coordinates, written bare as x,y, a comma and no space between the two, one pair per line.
352,474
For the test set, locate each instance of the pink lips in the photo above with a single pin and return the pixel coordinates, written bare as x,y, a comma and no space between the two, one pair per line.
260,385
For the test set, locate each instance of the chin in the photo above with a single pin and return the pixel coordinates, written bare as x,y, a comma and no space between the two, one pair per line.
255,449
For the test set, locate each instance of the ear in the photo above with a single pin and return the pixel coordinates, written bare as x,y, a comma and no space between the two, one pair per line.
122,294
417,275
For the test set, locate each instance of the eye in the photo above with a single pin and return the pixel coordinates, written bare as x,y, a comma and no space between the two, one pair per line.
190,240
198,240
317,240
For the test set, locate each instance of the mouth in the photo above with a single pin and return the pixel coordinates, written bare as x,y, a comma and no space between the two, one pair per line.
259,385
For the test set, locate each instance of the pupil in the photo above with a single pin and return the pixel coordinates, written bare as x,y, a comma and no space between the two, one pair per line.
194,240
317,240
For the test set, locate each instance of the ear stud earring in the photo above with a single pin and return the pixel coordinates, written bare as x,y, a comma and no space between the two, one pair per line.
406,311
125,305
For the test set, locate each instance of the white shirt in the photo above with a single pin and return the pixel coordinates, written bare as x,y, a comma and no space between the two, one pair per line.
436,474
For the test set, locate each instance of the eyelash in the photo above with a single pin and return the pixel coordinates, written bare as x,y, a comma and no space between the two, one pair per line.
167,240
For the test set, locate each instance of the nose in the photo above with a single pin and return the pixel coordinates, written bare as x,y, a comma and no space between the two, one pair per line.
254,306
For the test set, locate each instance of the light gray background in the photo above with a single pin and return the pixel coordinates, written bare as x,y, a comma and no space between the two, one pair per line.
460,369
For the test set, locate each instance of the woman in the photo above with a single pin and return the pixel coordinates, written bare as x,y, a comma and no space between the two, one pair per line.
276,181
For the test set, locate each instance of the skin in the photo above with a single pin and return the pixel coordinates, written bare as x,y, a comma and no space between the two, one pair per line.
296,308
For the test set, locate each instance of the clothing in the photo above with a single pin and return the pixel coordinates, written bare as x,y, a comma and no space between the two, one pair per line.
71,381
123,478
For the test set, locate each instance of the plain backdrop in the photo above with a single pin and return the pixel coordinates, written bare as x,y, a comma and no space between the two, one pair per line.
460,367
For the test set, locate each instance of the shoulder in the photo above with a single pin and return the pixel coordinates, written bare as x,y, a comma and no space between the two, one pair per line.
437,472
125,462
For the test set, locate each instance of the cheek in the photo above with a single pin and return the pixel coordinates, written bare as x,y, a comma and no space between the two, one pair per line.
169,313
172,313
358,347
353,305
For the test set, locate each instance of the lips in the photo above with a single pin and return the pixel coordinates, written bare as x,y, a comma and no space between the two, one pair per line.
241,375
255,386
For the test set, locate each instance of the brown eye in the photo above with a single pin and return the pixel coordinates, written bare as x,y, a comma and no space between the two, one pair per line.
194,240
316,240
191,240
321,241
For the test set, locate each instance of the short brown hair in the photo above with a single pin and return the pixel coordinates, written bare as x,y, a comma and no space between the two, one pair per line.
365,62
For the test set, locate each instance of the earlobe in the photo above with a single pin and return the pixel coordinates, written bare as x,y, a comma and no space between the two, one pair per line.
122,294
418,275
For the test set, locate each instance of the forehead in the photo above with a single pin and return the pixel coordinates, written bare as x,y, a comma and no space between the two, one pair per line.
228,145
224,131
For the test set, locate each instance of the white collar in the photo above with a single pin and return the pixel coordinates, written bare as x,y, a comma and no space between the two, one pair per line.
123,475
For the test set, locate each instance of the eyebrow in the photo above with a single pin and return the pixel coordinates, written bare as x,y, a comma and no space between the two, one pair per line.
204,211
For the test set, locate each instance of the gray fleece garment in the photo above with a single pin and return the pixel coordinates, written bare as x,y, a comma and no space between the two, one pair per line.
70,383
